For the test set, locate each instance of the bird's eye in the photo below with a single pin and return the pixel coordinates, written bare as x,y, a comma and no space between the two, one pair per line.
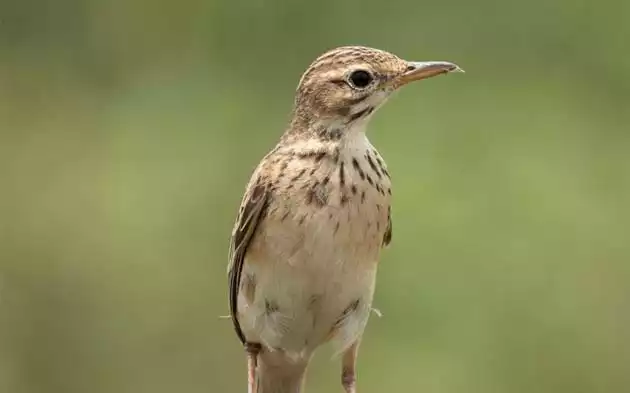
360,79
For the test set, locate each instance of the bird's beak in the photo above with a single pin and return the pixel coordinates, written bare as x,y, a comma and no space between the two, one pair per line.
418,70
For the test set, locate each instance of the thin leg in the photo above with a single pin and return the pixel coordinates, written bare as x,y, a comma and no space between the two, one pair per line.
348,368
252,363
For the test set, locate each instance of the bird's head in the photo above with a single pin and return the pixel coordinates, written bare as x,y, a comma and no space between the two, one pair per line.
344,86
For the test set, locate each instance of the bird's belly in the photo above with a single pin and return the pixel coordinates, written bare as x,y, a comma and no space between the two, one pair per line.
321,289
293,313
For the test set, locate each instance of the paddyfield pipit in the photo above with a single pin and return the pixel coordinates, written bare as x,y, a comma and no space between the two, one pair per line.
315,216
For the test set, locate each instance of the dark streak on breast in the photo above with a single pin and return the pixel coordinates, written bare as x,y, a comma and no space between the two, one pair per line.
317,195
300,174
373,166
381,164
357,167
342,174
319,156
378,159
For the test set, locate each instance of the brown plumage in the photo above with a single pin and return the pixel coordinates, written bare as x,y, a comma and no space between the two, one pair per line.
313,221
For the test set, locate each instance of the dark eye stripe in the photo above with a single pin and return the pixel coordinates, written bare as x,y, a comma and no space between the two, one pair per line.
338,81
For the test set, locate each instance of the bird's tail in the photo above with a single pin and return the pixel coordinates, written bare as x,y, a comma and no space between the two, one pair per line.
279,373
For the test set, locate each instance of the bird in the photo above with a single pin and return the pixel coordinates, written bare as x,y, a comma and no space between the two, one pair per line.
313,221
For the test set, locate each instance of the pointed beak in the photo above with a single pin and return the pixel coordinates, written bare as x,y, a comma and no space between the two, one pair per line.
425,69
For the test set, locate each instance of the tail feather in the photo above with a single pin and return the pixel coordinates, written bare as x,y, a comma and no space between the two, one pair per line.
279,373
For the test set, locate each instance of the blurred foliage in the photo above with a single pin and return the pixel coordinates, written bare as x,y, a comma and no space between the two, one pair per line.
128,130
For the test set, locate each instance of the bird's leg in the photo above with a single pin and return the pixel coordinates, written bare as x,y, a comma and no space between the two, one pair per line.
348,368
252,350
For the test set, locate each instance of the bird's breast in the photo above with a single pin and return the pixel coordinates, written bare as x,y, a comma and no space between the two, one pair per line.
315,254
337,207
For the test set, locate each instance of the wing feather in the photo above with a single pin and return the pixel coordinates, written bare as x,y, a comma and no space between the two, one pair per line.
252,212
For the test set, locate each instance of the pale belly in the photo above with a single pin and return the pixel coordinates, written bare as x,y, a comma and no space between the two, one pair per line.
306,282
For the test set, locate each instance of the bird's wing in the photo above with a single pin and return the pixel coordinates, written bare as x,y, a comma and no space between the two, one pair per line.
388,232
250,214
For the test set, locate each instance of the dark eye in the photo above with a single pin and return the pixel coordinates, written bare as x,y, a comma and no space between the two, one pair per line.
360,79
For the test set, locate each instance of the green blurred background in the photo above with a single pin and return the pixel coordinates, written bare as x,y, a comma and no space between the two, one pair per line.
129,129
